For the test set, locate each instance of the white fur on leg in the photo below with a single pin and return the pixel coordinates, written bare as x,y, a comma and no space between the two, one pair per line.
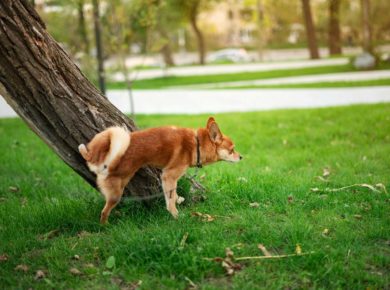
180,199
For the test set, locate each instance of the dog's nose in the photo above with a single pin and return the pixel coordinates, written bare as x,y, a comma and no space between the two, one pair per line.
241,157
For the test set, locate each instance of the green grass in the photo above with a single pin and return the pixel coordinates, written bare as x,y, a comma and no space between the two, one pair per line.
338,84
171,81
244,76
285,152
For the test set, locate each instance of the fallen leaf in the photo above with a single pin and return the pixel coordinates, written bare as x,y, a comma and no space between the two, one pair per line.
110,262
322,179
23,201
229,253
325,172
75,271
83,234
357,216
204,216
3,257
228,263
254,204
133,285
325,232
242,179
264,250
198,198
116,280
39,275
315,189
13,189
89,265
183,241
49,235
290,199
76,257
191,285
49,282
238,246
298,249
22,267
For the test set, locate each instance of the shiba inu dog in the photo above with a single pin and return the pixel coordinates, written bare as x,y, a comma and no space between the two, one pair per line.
115,155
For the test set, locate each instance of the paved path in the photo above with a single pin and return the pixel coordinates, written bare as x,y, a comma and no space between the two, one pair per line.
334,77
229,68
217,101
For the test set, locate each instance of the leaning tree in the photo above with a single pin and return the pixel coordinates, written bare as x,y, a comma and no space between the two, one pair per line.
49,92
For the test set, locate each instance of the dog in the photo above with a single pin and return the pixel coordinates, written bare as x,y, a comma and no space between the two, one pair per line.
115,155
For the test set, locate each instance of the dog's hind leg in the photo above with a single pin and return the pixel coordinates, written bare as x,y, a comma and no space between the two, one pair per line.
112,188
169,178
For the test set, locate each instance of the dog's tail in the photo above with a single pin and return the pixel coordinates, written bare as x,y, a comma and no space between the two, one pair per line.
105,149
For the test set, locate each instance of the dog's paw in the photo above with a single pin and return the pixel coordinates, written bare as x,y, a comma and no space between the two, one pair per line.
180,200
174,212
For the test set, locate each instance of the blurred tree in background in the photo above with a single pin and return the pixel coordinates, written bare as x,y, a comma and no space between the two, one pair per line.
310,29
334,40
167,27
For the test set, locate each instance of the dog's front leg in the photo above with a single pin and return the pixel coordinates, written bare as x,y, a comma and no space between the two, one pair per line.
169,182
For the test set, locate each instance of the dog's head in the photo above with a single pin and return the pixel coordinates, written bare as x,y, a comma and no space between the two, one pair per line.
224,145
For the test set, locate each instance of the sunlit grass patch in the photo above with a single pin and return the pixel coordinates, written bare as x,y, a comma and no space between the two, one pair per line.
293,159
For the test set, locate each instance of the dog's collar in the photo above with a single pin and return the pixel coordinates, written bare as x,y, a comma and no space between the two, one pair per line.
198,162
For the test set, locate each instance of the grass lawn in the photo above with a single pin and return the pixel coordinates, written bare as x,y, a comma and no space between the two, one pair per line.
171,81
48,214
338,84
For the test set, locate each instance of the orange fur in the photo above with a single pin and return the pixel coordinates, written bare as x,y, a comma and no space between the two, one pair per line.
171,149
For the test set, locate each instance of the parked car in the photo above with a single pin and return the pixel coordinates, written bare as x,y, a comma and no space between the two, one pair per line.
229,54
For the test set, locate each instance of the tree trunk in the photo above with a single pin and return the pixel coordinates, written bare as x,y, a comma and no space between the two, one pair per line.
198,33
260,30
83,27
99,47
310,30
367,31
166,50
48,91
334,27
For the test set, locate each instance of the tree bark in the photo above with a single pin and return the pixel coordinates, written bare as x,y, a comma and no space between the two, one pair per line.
334,27
82,28
367,31
99,46
49,92
260,29
310,30
199,36
166,50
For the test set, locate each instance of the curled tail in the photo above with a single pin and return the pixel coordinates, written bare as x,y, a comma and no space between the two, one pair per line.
105,149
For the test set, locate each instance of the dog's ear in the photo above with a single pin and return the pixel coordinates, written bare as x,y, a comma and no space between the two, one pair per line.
215,133
209,121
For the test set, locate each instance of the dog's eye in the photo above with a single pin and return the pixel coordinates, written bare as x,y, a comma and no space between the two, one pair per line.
231,151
